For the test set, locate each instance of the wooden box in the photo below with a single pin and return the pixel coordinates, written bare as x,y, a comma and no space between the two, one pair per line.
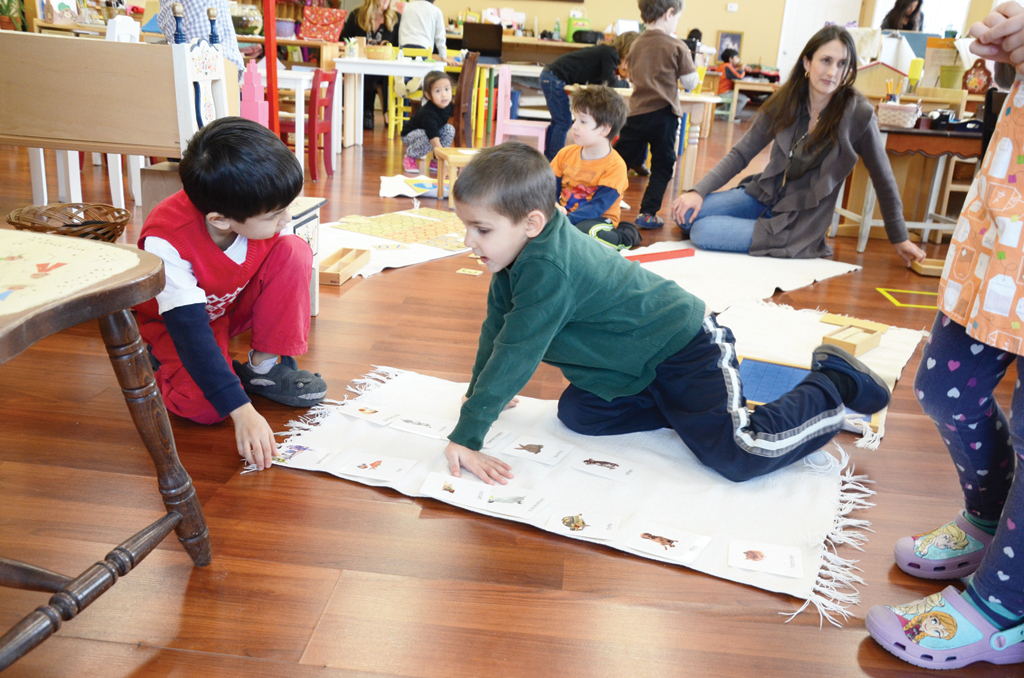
856,340
929,267
342,265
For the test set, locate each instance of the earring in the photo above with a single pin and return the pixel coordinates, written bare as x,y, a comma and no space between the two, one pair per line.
807,75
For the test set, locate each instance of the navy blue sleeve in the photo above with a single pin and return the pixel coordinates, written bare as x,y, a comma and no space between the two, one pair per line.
189,328
603,198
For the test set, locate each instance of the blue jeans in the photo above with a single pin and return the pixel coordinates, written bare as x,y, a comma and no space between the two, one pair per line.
726,221
954,386
561,114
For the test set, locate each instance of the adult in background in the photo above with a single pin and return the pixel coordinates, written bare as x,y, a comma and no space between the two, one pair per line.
588,66
195,24
378,22
905,15
422,27
820,124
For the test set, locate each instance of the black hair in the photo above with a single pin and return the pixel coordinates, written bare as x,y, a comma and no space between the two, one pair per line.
729,53
511,178
604,105
431,79
695,34
240,169
652,10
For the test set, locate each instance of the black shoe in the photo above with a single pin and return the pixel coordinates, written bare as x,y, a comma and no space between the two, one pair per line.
866,392
641,170
630,235
368,121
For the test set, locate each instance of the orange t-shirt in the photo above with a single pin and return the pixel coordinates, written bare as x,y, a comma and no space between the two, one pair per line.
581,178
728,75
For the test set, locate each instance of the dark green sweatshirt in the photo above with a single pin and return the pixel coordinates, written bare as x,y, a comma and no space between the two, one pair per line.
577,304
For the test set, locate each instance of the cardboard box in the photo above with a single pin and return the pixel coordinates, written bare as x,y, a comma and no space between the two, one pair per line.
342,265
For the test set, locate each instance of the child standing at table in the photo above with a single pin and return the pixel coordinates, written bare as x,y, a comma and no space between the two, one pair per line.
428,128
976,336
591,175
658,63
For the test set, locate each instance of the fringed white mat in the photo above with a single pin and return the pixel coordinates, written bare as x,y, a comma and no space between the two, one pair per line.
722,279
804,508
781,334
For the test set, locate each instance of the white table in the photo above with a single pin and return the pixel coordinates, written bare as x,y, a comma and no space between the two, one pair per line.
353,72
300,81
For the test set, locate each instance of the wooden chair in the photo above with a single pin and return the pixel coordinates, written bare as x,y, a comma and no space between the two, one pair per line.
199,86
449,162
463,115
320,102
505,126
109,299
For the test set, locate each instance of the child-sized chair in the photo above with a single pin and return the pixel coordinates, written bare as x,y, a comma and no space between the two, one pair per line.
505,125
399,105
463,114
317,124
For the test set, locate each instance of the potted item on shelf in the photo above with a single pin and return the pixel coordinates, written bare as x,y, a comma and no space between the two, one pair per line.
247,19
285,28
12,15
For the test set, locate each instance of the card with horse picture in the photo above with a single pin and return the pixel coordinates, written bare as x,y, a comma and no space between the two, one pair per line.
359,410
586,524
544,449
459,491
424,425
668,542
607,466
785,561
377,467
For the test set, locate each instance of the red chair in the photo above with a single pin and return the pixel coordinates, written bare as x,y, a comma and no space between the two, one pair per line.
321,106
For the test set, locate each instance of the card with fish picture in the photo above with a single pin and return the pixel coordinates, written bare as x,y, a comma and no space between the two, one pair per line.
513,501
460,491
544,449
359,410
424,425
668,542
607,466
377,467
586,524
785,561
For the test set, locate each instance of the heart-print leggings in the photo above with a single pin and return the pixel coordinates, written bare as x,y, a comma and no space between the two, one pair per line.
954,385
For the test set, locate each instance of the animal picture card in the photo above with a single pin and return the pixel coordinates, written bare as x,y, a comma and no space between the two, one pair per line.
513,501
586,524
494,437
784,561
310,458
668,542
546,450
424,425
359,410
460,491
607,466
376,467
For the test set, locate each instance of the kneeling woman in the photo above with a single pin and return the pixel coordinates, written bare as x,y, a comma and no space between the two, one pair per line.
820,125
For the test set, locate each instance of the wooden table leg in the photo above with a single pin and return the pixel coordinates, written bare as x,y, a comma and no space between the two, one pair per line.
135,376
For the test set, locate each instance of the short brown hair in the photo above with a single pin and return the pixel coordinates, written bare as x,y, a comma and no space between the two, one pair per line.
622,43
511,178
652,10
604,105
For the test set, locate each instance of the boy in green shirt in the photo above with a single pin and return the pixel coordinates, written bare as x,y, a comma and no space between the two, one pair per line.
636,348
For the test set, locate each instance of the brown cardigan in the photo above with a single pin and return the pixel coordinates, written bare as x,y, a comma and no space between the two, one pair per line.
802,213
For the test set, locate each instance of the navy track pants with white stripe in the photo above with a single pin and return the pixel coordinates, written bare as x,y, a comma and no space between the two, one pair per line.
697,392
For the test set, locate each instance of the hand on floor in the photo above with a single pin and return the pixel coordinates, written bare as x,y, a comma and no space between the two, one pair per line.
484,467
254,436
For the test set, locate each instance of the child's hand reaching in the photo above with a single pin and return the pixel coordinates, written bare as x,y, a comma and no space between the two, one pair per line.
254,436
1000,36
484,467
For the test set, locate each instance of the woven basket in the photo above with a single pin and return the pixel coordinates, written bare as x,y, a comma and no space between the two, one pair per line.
898,115
93,222
381,52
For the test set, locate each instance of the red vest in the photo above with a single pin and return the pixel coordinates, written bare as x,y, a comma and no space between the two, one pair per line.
177,221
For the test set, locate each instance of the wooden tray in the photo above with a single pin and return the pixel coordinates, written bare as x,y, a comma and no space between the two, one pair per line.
929,267
342,265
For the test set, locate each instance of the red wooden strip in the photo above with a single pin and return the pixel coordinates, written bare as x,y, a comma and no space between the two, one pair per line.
659,256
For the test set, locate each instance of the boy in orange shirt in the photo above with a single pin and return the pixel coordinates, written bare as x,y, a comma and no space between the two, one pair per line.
591,175
731,70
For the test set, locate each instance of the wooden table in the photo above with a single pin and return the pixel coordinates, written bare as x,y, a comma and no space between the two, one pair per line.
524,49
329,51
749,86
939,144
110,300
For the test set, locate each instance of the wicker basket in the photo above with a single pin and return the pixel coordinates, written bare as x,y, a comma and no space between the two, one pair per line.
898,115
93,222
382,52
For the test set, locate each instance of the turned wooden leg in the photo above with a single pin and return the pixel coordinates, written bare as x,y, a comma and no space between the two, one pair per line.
135,375
86,588
18,575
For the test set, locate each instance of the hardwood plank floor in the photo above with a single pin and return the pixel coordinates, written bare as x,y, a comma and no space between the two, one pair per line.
313,575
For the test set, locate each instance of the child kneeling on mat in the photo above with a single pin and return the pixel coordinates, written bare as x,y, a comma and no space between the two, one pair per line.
636,348
428,128
229,270
591,175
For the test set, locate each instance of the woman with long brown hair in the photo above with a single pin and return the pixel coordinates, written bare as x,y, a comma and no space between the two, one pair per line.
820,125
377,21
904,16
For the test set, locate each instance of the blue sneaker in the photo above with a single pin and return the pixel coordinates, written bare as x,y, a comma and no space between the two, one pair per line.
871,394
649,221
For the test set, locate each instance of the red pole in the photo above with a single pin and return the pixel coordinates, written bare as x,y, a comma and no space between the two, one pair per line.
270,52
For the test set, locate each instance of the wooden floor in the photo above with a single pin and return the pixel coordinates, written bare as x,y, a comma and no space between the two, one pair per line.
317,576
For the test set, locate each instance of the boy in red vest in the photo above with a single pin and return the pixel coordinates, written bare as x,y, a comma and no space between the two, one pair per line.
228,271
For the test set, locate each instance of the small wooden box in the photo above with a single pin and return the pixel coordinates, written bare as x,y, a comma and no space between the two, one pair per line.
342,265
929,267
856,340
